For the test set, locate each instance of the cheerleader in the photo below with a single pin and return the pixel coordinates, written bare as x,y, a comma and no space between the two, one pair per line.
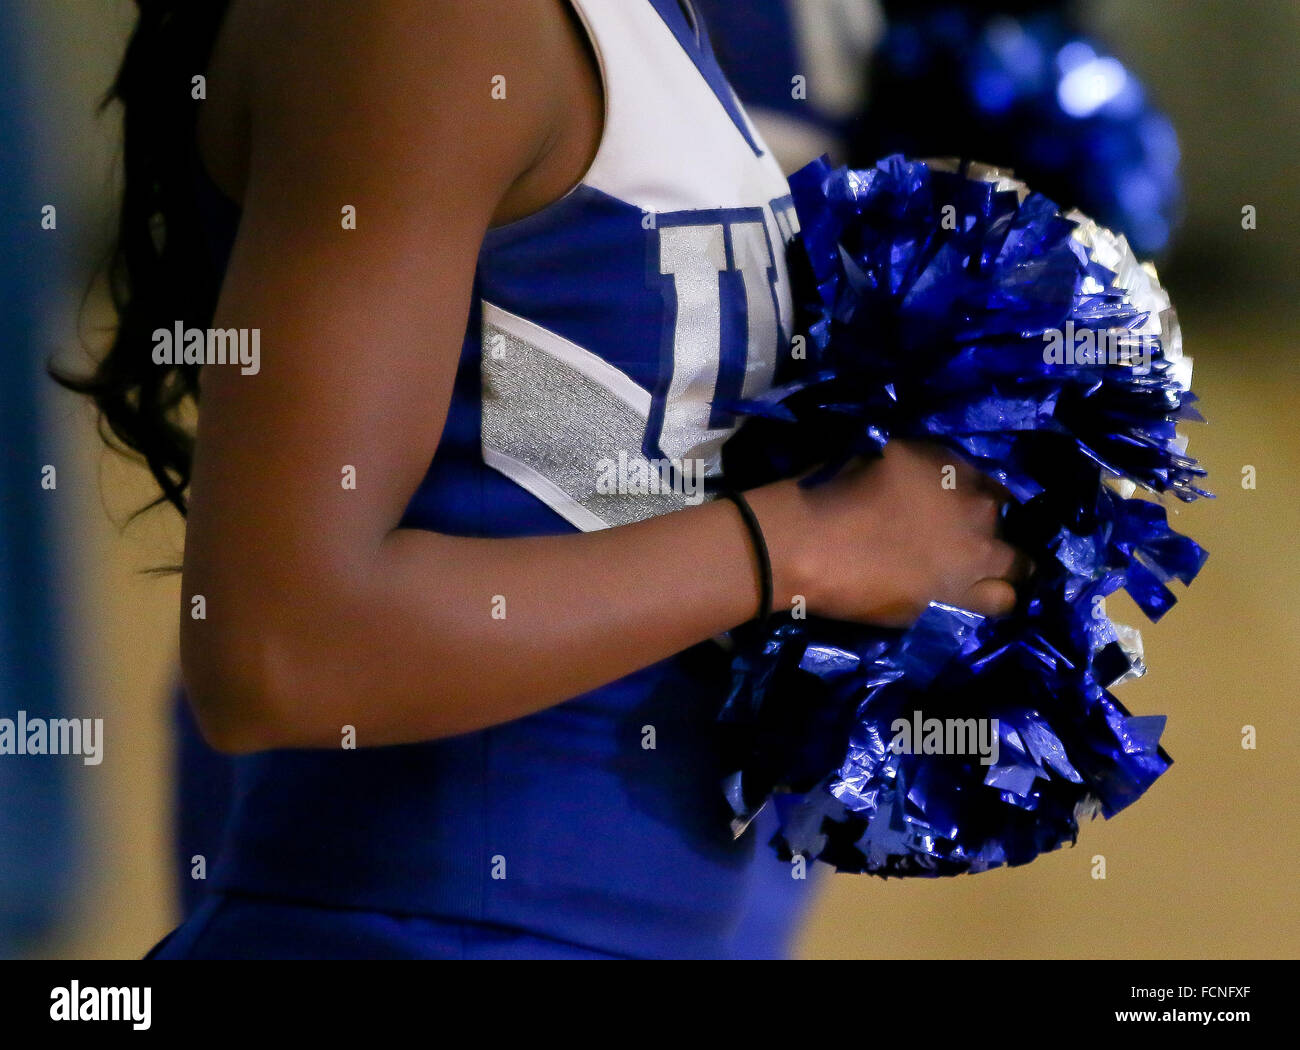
488,249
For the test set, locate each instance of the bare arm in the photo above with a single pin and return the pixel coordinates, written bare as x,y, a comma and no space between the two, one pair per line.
321,612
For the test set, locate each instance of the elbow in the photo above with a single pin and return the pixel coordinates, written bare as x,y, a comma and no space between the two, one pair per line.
237,735
243,695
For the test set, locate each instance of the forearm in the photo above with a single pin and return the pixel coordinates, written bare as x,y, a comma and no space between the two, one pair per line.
435,635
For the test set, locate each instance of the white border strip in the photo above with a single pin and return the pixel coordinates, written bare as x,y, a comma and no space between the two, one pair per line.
595,368
552,495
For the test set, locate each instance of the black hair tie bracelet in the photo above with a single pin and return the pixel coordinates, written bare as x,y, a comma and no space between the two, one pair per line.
760,548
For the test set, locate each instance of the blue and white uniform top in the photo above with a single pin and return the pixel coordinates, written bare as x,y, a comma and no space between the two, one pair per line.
612,319
603,328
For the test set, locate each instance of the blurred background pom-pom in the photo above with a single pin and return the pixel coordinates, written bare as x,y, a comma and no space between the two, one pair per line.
1021,85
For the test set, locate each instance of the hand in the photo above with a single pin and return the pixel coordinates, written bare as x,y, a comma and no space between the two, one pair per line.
884,538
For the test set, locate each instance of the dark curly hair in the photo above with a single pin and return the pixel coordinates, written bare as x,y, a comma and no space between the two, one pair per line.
160,270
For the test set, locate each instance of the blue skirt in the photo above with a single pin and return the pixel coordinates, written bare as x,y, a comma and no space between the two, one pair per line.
245,926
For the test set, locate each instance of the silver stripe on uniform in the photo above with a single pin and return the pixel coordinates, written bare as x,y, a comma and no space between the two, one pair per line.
552,411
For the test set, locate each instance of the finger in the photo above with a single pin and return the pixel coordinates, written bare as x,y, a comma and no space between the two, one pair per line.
993,487
987,514
990,598
1022,569
1004,562
974,481
968,477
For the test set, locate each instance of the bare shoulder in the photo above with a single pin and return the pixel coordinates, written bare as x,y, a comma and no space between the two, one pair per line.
478,82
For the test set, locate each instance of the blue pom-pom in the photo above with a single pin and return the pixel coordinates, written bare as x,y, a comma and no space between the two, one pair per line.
1035,94
952,304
